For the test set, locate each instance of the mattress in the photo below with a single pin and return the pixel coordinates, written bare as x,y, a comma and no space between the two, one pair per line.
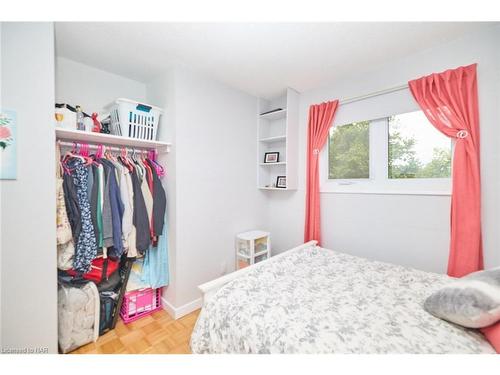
316,300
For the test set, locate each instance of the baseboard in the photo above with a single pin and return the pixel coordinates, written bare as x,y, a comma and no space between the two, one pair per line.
179,312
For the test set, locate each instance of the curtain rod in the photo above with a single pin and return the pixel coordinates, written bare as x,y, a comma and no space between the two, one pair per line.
373,94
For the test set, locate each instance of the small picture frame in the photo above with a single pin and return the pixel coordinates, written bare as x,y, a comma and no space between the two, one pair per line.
281,182
271,157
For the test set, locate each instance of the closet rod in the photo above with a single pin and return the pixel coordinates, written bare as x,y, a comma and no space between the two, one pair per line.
111,148
373,94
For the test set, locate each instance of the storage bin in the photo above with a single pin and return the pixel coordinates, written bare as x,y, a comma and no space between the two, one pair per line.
252,247
78,315
260,258
139,303
132,119
242,263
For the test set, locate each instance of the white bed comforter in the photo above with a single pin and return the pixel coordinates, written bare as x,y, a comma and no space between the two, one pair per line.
316,300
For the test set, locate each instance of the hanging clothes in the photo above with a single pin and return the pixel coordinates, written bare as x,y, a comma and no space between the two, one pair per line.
155,270
64,236
63,227
140,216
94,201
71,203
113,205
159,201
148,200
128,219
149,182
90,182
107,221
116,208
86,245
126,223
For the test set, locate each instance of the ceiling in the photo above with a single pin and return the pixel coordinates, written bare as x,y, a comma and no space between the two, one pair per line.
259,58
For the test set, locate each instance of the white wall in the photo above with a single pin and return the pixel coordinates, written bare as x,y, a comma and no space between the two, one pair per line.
0,194
28,242
161,92
410,230
215,195
92,88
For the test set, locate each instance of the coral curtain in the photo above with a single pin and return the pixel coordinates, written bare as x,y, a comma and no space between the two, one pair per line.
450,102
320,120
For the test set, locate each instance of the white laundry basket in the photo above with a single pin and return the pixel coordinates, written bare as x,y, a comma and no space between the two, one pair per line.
132,119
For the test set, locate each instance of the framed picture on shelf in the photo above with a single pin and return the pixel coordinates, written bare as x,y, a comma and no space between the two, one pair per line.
281,182
271,157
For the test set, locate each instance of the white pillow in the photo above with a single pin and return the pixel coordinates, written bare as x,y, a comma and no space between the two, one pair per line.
472,301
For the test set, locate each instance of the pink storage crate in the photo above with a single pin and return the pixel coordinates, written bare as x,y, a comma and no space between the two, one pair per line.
139,303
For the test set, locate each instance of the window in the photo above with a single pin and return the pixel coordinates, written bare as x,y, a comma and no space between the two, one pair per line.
417,149
401,154
349,151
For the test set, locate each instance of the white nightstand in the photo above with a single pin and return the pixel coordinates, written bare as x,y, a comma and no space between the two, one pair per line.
252,247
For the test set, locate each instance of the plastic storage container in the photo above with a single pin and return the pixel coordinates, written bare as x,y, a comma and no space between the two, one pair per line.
132,119
78,316
139,303
252,247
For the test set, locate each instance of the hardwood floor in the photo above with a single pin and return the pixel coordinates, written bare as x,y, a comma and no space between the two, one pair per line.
157,333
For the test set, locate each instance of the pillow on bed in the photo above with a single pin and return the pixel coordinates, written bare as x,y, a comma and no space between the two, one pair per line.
472,301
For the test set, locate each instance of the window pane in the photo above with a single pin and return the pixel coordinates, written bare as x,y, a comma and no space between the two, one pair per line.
349,151
416,148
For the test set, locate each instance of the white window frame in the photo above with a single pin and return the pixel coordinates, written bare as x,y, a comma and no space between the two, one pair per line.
379,181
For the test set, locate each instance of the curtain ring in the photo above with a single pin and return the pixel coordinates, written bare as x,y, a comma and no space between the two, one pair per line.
462,134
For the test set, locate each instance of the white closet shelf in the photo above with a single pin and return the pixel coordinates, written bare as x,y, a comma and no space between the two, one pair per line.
272,188
269,164
280,138
109,139
274,115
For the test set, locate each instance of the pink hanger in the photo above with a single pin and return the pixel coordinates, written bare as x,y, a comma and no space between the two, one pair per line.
98,153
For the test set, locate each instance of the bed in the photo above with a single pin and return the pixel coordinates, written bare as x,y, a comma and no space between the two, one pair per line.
315,300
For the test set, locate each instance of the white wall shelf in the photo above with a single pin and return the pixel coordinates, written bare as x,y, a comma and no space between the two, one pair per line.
272,188
280,138
109,139
278,132
274,115
270,164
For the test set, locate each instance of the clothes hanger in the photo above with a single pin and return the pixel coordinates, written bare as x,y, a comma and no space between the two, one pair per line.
61,167
99,151
139,165
85,153
108,154
123,159
73,153
152,155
